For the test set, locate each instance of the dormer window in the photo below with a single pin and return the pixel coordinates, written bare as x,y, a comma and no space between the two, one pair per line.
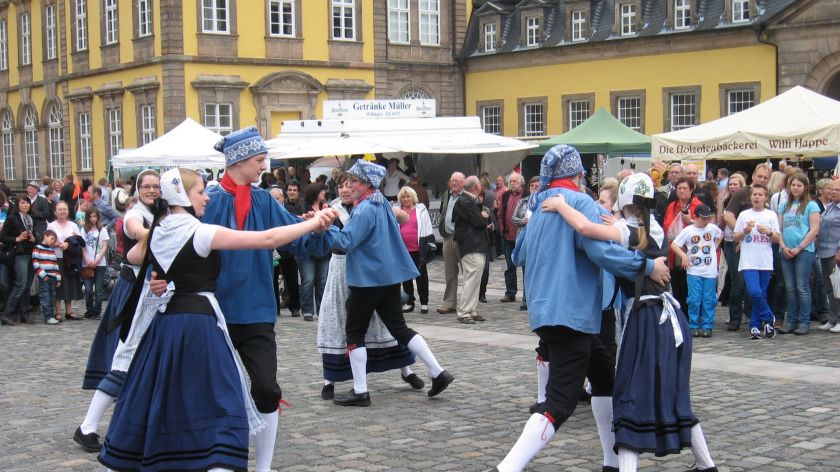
578,25
628,19
533,31
682,14
489,37
740,11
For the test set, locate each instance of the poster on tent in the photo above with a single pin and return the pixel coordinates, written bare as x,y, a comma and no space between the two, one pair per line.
701,167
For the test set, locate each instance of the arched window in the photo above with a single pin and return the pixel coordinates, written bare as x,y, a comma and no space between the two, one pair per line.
30,144
8,147
415,94
56,135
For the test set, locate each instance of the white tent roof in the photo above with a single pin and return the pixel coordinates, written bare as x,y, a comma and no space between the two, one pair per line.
444,135
797,123
187,145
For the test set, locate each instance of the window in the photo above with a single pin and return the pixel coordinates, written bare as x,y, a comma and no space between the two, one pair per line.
56,135
415,95
398,29
578,26
85,142
115,142
49,31
25,41
683,111
214,16
534,114
8,147
81,25
491,119
738,100
682,14
218,117
740,11
144,18
532,29
4,46
578,112
430,22
628,19
630,112
111,19
281,17
148,122
30,144
344,19
489,37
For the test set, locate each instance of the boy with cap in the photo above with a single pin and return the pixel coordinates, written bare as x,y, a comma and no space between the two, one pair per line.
700,241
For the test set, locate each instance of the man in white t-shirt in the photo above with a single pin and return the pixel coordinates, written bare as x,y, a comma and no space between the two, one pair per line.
391,182
700,241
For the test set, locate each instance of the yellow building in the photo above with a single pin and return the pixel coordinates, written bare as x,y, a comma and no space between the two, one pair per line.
81,79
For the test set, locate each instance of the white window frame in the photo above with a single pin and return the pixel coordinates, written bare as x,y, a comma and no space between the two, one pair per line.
148,123
4,46
429,22
213,116
81,25
8,147
30,144
283,10
578,25
579,111
399,23
678,110
490,37
682,14
85,141
215,16
630,112
144,18
491,119
736,100
532,31
740,11
25,40
628,19
344,11
533,117
115,136
49,31
58,165
112,34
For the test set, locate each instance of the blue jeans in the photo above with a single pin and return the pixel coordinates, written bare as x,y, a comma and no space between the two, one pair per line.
739,303
797,273
46,292
19,295
776,290
510,270
757,282
313,277
702,300
95,291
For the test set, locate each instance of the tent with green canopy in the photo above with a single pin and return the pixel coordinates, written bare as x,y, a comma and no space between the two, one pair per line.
601,133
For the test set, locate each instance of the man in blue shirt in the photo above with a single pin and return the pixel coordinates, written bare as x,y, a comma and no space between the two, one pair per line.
107,215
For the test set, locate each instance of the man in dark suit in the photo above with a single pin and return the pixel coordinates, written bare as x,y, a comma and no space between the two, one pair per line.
40,210
66,193
470,220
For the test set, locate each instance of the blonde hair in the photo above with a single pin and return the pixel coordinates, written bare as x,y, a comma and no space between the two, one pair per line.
408,191
611,185
776,183
739,178
189,178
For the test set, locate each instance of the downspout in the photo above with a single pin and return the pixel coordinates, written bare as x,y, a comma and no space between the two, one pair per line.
761,35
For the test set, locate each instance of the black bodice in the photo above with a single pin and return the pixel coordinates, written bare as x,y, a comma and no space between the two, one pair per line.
191,272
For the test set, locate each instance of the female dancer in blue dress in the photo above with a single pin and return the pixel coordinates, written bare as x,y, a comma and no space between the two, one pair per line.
185,403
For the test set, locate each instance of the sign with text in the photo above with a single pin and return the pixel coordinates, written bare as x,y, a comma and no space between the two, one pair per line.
417,108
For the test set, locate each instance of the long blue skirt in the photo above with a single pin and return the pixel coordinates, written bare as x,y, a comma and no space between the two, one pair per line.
651,398
181,407
104,344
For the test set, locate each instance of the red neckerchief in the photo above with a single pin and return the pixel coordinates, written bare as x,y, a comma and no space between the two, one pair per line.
241,198
564,183
370,192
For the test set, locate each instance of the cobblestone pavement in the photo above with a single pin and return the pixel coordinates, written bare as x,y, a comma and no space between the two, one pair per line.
769,405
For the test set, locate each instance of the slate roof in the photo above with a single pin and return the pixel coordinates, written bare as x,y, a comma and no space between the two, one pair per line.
654,16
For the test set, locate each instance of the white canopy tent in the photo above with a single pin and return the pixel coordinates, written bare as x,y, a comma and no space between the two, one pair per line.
796,124
187,145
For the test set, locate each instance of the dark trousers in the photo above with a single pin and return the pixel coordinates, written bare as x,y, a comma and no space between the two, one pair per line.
422,281
679,287
257,347
739,303
289,267
485,276
510,270
776,290
95,291
386,300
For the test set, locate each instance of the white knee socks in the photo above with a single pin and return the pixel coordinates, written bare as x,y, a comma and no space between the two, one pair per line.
628,461
264,442
406,371
418,346
358,364
542,379
536,434
98,404
700,449
602,410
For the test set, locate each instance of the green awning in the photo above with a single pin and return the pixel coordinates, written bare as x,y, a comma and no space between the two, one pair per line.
602,133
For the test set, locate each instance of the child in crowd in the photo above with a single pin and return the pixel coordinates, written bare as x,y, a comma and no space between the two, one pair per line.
94,255
46,267
701,240
756,229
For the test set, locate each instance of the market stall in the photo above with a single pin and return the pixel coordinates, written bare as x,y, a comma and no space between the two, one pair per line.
187,145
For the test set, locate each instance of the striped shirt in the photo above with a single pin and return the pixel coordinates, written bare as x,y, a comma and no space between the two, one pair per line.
45,262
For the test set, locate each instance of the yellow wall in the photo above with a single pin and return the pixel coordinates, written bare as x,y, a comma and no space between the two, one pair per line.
651,73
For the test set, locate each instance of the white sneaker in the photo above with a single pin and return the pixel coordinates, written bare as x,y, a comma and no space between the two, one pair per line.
835,329
825,327
52,321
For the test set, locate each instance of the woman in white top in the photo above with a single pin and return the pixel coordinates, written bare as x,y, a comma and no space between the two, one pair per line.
71,284
96,248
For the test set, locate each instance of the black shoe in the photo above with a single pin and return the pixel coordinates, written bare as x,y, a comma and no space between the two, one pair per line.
89,442
733,327
534,407
352,398
413,380
523,307
6,321
440,383
308,317
328,392
607,468
295,313
482,299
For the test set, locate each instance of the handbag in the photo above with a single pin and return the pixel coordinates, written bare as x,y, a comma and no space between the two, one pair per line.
835,281
7,254
427,248
90,272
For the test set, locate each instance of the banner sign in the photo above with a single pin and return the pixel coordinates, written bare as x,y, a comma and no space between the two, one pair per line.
749,146
417,108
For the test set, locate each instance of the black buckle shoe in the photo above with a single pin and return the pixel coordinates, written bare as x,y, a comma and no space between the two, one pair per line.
328,392
352,398
608,468
89,442
440,383
413,380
